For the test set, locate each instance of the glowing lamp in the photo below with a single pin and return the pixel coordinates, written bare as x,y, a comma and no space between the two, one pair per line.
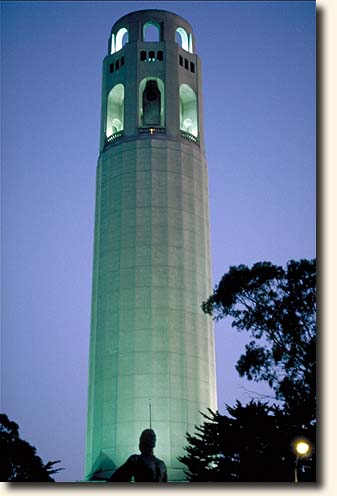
302,448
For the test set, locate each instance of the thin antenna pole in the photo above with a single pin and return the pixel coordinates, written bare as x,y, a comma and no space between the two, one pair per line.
150,413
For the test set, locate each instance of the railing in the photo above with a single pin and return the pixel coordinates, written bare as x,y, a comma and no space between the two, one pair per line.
189,137
113,137
151,130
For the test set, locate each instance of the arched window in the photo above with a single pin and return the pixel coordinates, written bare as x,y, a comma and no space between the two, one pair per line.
122,37
188,106
182,38
115,110
151,31
151,102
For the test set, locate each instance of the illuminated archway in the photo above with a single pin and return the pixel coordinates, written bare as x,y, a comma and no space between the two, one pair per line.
182,38
151,31
122,37
188,107
145,85
115,110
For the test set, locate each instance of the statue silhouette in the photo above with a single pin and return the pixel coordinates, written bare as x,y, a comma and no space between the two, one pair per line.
144,467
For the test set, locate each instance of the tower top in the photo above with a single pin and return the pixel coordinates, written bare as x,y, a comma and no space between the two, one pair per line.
134,26
140,14
151,81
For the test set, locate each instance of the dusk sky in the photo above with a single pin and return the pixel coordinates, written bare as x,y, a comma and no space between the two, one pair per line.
258,62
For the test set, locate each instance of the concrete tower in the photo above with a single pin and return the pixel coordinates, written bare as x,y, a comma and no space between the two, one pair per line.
150,341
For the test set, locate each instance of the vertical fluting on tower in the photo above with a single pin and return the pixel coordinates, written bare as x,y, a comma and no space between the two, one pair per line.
150,341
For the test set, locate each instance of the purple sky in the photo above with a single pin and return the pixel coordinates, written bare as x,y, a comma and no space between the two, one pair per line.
259,117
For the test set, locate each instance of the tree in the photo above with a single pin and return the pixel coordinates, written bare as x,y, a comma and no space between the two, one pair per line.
254,444
19,461
277,307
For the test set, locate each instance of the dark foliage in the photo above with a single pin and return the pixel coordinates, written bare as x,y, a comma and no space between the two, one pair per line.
277,307
19,461
254,444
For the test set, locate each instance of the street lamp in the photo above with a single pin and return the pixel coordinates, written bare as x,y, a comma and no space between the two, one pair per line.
302,448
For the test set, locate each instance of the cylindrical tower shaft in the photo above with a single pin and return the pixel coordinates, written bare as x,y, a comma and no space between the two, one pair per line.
150,341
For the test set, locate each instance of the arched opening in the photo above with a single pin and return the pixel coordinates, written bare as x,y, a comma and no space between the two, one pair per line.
151,31
188,107
122,37
115,110
182,38
151,102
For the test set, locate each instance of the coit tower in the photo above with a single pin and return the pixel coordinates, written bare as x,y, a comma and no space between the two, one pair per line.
151,346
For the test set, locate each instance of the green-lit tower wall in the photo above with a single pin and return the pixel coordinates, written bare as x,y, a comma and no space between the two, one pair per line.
150,341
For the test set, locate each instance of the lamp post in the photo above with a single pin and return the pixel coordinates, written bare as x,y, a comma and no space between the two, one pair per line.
302,448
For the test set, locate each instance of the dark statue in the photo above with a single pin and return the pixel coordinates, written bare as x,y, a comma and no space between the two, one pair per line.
151,104
144,467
